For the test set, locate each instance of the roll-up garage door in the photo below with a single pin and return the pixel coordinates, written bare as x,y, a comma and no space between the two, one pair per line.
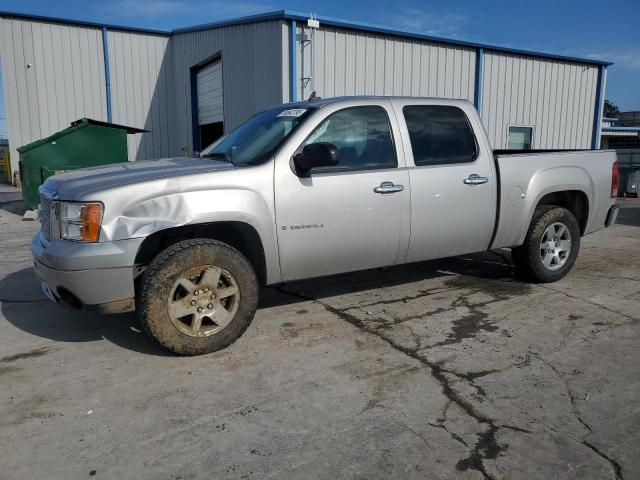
210,104
210,109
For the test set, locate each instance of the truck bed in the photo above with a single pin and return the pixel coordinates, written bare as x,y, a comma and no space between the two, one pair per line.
525,177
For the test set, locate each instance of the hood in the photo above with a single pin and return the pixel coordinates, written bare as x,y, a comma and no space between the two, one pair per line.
72,184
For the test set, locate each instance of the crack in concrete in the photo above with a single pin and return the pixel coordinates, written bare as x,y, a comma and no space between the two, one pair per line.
468,325
11,300
37,352
586,300
417,434
405,299
587,273
616,467
408,318
627,236
486,447
453,435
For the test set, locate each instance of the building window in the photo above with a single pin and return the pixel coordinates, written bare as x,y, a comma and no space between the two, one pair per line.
520,138
439,135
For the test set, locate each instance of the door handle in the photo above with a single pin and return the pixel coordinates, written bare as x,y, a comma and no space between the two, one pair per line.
475,179
388,187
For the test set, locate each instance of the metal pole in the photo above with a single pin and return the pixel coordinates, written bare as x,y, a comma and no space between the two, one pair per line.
313,57
107,73
302,46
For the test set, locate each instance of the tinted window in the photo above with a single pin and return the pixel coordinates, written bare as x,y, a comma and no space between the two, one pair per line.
362,136
439,134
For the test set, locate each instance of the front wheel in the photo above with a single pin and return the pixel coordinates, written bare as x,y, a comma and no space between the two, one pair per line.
551,246
198,296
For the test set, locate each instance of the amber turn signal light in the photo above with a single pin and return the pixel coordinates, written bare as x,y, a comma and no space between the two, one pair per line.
91,220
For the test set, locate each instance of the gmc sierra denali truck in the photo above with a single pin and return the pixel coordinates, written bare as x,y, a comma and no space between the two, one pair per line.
307,190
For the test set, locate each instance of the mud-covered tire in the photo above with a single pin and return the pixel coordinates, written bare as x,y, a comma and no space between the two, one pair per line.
528,258
158,283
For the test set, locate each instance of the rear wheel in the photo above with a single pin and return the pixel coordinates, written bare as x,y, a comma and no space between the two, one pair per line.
551,246
198,296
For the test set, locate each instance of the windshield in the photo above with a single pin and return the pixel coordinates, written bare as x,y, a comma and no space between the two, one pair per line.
257,139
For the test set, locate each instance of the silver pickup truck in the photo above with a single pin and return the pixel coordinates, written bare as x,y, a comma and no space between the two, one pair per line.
305,190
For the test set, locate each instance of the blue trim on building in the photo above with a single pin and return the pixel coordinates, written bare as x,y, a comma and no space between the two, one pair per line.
81,23
597,114
371,27
477,98
261,17
107,71
293,62
330,21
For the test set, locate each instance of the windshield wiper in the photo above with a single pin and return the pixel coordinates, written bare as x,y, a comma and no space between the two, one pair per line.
224,156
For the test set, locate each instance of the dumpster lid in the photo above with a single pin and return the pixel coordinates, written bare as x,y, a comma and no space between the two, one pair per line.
91,121
77,125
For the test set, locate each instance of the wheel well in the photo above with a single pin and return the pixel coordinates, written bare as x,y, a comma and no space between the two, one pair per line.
573,200
241,236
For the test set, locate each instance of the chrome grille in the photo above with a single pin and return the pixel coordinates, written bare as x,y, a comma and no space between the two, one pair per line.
45,216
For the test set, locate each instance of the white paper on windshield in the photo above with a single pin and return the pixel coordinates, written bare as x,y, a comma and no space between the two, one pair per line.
292,112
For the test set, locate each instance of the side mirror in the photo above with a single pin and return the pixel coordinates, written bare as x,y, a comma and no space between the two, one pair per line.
322,154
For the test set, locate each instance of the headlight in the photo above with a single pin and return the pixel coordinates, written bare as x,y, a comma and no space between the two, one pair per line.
80,222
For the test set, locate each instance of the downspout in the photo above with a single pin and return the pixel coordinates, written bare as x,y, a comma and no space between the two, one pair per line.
107,74
597,116
293,62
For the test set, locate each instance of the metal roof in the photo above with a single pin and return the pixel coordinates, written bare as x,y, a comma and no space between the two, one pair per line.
330,21
81,23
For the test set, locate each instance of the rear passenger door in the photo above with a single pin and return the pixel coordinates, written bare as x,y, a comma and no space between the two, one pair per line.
453,184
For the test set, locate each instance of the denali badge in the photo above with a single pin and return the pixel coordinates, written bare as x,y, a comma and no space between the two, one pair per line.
301,227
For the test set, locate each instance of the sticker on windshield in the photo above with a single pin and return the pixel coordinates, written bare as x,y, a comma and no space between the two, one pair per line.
293,112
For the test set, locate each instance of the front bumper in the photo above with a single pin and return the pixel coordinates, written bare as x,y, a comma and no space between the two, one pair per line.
99,275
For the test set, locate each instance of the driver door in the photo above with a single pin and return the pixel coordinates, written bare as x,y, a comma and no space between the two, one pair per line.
352,216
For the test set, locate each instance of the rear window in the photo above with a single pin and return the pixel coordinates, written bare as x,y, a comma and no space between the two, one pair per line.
439,135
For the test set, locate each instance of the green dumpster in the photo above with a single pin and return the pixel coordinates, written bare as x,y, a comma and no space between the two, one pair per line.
86,143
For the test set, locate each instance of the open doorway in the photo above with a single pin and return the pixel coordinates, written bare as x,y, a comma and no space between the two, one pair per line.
209,133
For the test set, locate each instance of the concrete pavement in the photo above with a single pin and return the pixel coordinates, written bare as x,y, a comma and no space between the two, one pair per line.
440,370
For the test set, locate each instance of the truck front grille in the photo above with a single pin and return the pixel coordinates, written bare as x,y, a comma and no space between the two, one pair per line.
45,216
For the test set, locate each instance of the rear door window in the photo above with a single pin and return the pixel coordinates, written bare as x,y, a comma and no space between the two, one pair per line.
440,134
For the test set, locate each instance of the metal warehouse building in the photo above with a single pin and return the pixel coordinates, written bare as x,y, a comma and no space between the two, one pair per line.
189,85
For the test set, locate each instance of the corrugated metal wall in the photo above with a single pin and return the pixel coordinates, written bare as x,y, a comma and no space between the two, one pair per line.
142,90
252,73
556,98
53,74
349,62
